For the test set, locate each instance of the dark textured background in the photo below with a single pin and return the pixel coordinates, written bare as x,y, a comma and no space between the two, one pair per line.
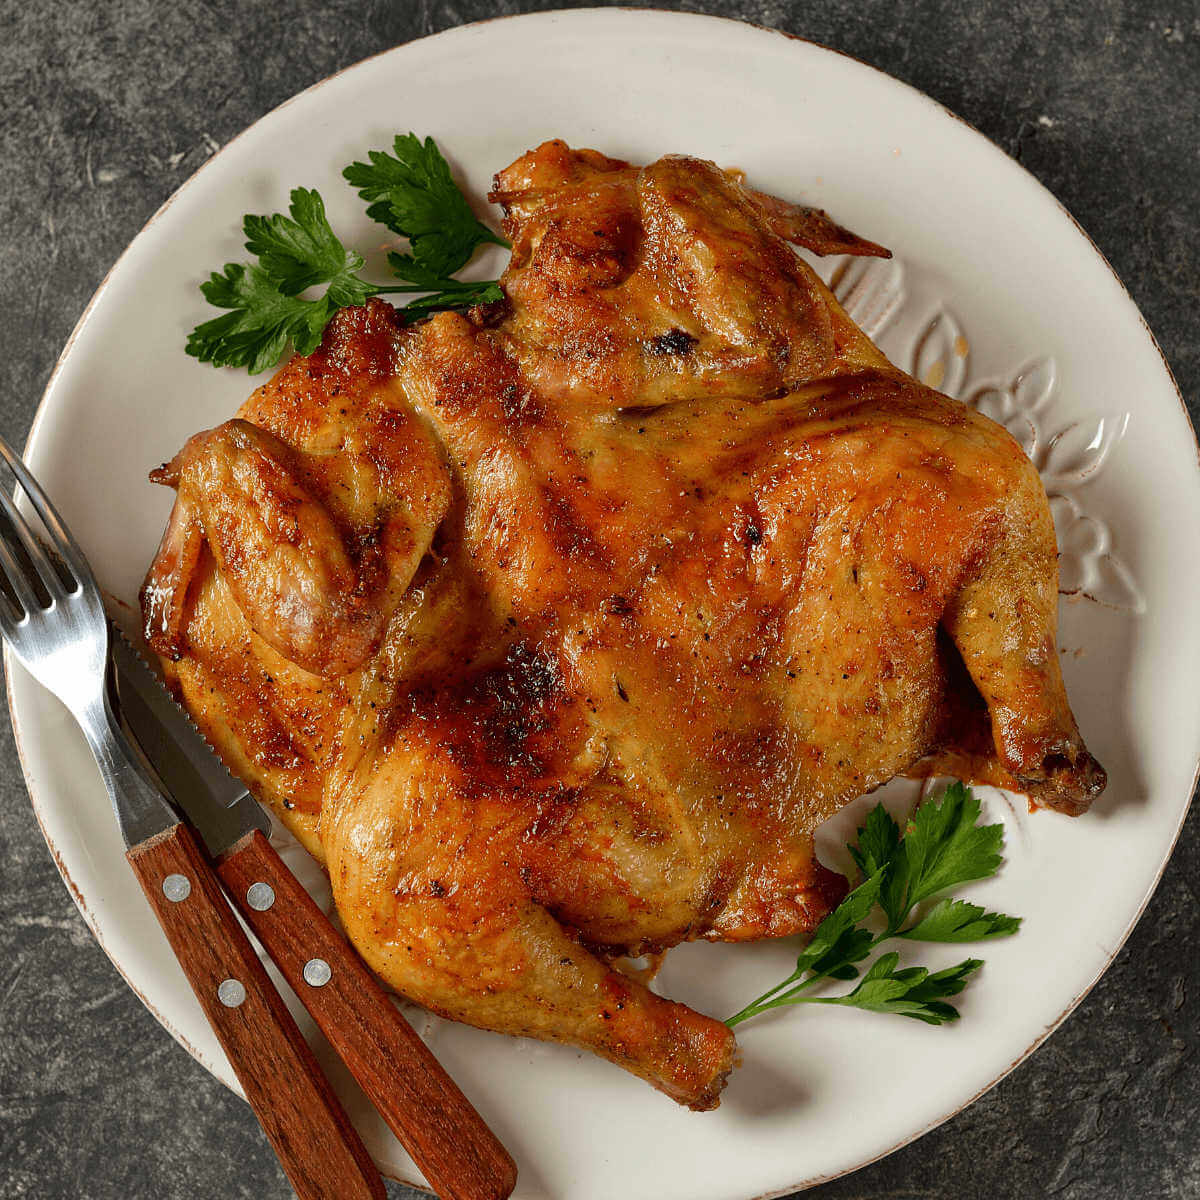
108,106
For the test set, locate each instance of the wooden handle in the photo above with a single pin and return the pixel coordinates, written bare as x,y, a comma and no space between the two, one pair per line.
460,1156
303,1119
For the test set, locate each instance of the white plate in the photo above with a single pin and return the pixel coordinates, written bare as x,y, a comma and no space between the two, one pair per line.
995,293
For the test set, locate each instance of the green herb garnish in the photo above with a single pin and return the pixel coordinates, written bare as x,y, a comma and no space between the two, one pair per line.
412,193
912,992
943,846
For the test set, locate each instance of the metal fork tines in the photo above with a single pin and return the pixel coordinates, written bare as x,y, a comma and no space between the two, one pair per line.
52,617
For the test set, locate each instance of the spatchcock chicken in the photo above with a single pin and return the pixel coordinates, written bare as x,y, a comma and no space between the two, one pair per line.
554,630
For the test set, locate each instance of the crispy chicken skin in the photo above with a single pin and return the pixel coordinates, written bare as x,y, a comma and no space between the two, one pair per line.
555,630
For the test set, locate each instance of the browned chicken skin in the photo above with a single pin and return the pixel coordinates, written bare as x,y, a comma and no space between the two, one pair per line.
556,630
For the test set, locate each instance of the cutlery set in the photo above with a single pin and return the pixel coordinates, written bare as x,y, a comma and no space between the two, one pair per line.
197,841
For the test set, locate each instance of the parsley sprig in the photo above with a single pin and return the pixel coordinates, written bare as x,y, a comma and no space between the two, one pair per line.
943,846
411,192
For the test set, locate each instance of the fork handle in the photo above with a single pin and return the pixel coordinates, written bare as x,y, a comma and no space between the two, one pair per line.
317,1146
459,1155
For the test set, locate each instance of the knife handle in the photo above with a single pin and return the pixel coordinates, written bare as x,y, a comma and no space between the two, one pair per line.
459,1155
317,1146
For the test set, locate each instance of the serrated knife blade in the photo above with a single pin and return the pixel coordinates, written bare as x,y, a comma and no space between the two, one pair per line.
218,805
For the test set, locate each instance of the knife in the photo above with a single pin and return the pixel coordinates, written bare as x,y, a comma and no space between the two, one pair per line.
448,1140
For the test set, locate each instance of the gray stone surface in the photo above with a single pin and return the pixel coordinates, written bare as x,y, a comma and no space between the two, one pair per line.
109,106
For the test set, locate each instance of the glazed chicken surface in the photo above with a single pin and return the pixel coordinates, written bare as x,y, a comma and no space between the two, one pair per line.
556,629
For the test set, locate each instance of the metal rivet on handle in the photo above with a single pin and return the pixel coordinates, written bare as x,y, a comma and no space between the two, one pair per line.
231,993
177,887
317,972
260,896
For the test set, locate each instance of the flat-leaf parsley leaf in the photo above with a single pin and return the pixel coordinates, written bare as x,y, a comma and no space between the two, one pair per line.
957,921
413,193
944,846
911,992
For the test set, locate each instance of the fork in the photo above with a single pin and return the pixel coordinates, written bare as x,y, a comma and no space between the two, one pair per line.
52,619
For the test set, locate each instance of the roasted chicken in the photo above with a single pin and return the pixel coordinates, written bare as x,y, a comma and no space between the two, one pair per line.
555,629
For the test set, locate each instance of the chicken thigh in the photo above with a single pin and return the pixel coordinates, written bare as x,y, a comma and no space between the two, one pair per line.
556,629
